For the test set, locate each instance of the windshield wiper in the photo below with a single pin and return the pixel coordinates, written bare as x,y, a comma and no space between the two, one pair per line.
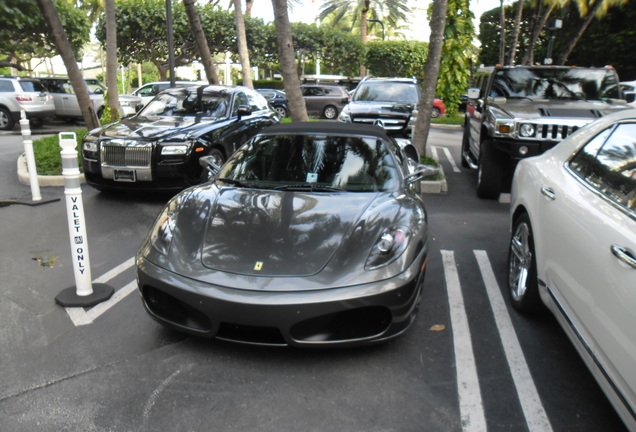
232,181
307,187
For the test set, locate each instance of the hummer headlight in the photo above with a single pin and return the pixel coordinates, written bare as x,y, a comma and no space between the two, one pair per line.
527,130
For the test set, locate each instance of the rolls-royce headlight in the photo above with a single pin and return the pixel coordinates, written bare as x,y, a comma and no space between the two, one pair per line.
527,130
175,149
389,247
90,143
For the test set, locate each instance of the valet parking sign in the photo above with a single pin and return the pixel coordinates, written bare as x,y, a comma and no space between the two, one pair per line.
84,293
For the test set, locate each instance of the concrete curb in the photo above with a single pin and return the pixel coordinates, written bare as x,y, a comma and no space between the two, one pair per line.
43,180
435,186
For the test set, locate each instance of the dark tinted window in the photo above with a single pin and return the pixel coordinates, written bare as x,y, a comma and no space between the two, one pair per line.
32,86
555,83
54,86
352,163
312,91
608,163
387,92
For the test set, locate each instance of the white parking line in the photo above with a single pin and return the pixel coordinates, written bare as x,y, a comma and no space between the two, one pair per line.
80,317
471,406
533,410
450,159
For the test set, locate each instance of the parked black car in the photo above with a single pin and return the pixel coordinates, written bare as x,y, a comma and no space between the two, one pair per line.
277,99
160,147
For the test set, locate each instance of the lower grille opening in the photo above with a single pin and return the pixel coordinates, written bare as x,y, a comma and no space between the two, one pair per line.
174,310
347,325
250,334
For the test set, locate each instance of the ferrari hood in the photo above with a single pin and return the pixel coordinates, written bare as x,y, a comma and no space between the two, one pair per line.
275,233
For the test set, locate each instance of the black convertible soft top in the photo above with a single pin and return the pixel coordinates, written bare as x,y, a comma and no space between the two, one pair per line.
331,128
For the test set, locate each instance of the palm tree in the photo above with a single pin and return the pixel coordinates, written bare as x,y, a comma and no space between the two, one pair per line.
111,60
515,33
242,44
589,9
201,42
431,72
66,52
287,58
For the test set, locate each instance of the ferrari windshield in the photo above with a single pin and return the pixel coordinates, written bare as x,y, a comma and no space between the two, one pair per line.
387,92
555,83
317,163
186,103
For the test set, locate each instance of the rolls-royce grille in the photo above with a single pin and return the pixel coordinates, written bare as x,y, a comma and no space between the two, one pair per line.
126,156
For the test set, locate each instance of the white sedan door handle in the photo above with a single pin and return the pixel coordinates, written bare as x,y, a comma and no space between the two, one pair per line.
548,192
625,255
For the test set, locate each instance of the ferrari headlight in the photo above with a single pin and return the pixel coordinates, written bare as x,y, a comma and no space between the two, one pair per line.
389,247
163,231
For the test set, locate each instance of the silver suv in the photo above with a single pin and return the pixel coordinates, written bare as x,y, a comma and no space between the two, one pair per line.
23,94
67,105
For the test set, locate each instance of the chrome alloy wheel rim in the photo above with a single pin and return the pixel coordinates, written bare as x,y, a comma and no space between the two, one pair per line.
520,261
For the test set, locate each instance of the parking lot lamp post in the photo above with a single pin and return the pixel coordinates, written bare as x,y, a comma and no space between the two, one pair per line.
84,293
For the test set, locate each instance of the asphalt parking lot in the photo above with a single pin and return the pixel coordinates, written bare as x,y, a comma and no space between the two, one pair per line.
469,363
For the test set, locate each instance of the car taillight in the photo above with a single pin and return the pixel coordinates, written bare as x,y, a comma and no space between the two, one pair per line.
23,98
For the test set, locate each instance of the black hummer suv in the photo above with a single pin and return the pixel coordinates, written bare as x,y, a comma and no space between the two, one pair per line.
514,112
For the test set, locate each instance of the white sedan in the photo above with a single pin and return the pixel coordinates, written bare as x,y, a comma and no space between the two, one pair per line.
573,248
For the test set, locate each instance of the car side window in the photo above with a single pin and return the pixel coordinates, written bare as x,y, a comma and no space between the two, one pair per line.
608,164
147,91
6,86
256,101
239,99
68,88
312,91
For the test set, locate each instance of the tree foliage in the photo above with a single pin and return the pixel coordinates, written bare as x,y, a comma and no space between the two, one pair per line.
24,34
397,58
454,72
605,41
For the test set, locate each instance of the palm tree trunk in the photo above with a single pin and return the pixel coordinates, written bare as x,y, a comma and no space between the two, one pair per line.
575,38
363,30
111,60
502,39
431,72
539,24
287,58
201,42
242,44
66,52
515,33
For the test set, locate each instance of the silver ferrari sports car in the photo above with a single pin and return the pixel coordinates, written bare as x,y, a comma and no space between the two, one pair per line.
311,234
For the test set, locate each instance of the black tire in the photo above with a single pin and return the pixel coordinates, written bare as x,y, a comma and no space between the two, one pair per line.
523,286
282,112
435,113
465,147
6,121
330,112
489,174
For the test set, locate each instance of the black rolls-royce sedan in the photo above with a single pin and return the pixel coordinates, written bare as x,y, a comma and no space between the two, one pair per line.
159,148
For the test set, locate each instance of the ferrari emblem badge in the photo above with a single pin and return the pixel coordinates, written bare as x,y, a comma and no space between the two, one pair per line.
258,266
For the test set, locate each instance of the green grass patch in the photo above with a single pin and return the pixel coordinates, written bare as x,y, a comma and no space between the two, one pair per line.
432,162
453,120
47,150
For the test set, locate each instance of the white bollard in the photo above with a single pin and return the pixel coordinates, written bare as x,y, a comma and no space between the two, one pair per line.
84,293
30,157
